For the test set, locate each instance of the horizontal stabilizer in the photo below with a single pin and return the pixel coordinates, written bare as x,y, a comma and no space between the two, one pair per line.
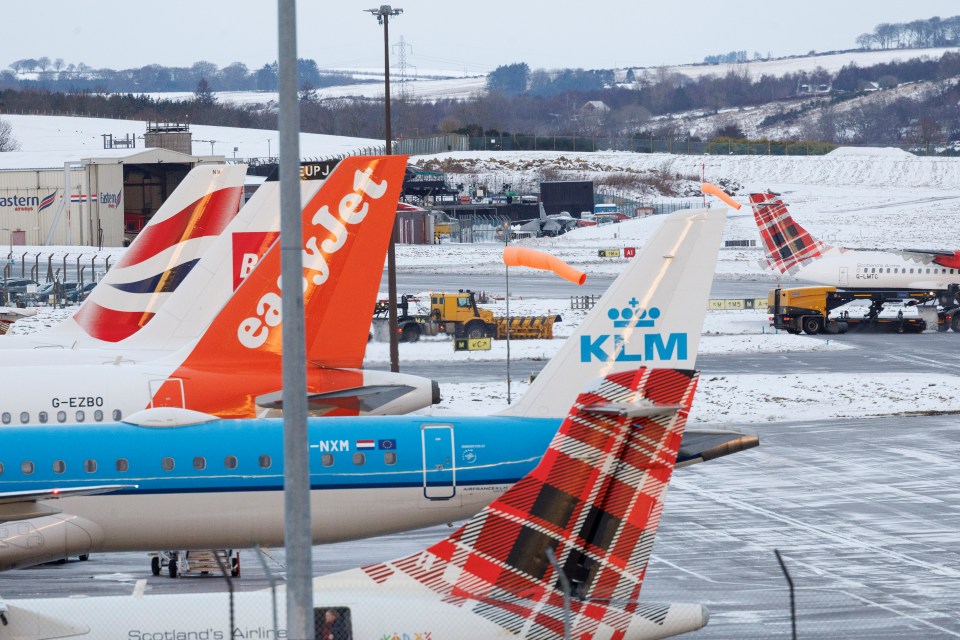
631,410
366,398
701,445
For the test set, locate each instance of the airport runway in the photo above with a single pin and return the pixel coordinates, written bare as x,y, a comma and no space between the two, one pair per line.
865,513
549,286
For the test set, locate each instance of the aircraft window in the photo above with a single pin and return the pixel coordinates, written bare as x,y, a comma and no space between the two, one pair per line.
26,467
951,271
359,459
5,417
98,415
265,462
122,465
874,270
390,457
42,417
888,269
117,414
928,270
167,464
59,466
90,466
911,270
327,459
199,463
1,468
230,462
24,417
61,416
81,416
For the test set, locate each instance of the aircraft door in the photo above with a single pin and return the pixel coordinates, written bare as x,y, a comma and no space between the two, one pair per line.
439,463
844,276
167,393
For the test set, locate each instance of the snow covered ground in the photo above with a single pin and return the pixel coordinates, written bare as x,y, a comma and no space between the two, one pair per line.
49,141
857,198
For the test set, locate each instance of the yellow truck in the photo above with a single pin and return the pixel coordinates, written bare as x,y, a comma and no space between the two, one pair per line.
811,310
457,314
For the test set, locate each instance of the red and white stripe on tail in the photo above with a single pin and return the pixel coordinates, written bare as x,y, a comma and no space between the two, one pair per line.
595,499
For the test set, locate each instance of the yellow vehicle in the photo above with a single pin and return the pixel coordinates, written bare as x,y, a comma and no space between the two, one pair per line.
808,310
457,314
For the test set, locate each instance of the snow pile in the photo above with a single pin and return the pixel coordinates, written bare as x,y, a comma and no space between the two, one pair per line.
874,152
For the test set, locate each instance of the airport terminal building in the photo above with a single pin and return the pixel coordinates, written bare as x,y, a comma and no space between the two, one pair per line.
88,201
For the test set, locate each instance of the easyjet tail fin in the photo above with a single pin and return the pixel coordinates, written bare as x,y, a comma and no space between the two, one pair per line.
652,315
594,501
789,246
346,228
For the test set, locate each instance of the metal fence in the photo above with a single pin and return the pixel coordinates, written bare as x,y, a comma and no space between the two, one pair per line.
647,145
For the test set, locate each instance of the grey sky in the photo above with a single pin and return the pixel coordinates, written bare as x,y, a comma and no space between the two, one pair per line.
475,36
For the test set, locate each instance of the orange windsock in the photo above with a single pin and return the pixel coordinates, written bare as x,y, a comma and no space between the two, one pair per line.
714,190
524,257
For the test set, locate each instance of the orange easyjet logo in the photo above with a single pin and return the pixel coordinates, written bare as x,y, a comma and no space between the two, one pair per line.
254,330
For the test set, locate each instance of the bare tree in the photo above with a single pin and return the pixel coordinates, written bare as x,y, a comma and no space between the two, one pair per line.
58,64
43,63
7,141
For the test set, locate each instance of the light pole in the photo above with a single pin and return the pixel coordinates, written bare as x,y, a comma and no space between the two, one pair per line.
383,14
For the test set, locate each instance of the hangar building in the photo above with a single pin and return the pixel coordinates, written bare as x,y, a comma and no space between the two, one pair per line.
90,201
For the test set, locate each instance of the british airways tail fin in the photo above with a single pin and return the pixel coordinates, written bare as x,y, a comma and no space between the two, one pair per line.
160,257
594,501
652,315
224,266
346,228
789,246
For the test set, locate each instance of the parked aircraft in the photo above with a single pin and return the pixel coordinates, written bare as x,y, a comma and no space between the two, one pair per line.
548,225
233,368
593,503
792,250
410,471
182,231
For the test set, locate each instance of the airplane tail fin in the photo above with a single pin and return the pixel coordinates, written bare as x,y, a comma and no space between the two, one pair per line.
789,246
594,501
346,229
652,315
161,255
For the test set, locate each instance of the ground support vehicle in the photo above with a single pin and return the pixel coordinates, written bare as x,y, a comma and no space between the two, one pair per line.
202,562
457,314
815,310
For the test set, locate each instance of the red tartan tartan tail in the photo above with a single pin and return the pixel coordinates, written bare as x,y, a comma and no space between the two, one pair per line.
789,246
595,498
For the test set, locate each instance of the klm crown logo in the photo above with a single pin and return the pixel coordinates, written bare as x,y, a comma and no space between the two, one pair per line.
630,316
613,347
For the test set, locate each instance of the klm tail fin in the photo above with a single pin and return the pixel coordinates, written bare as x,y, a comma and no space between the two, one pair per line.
789,246
595,501
652,315
160,257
